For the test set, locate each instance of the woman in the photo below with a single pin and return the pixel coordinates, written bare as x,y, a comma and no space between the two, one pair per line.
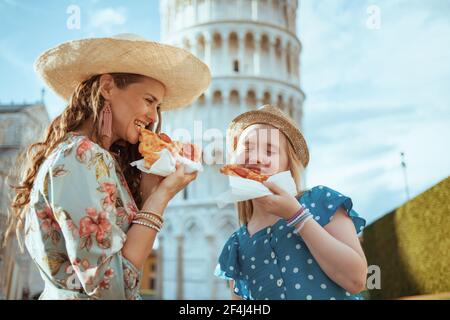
90,219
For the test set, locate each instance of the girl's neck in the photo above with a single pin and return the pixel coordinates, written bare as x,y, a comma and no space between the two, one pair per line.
260,219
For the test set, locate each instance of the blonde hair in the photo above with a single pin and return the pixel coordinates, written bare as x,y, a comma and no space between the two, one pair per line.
245,208
86,101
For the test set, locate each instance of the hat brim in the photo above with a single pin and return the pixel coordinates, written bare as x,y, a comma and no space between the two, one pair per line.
184,76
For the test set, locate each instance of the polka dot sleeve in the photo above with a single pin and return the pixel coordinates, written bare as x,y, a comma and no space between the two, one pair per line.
228,267
325,202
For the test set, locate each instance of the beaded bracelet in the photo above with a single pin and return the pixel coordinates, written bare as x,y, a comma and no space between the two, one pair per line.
304,218
160,217
299,218
303,224
299,212
149,218
148,225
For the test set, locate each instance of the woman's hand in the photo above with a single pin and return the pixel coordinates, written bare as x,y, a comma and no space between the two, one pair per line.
166,189
176,181
280,203
148,185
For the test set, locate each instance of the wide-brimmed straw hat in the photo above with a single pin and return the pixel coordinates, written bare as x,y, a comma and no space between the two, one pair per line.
184,76
273,116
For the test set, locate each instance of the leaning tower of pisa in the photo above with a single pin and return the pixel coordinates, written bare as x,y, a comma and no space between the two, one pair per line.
253,52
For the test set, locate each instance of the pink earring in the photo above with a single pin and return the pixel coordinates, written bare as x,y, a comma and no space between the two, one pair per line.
105,120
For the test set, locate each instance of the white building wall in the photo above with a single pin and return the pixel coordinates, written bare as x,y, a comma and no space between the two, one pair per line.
19,126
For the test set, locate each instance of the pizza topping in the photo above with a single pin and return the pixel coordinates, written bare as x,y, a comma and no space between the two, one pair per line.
151,144
243,172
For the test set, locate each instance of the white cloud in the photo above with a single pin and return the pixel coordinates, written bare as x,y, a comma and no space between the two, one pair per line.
374,93
108,19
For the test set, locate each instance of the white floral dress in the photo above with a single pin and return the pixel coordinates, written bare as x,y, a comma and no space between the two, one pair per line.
80,210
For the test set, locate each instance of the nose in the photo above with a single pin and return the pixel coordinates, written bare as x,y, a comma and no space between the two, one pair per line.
151,114
258,159
263,159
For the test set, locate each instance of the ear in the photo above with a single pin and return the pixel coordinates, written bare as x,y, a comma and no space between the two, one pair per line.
106,86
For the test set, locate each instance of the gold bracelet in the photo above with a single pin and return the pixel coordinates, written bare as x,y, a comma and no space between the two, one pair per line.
148,225
160,217
142,214
150,219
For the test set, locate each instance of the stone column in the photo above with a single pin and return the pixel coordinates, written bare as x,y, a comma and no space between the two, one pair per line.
273,57
241,52
255,9
208,49
180,263
225,62
194,4
257,55
209,9
211,259
283,71
160,269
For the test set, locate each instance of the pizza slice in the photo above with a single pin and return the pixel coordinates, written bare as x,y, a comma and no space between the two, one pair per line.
243,172
152,143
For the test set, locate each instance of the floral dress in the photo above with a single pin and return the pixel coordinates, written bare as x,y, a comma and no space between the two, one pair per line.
276,264
80,210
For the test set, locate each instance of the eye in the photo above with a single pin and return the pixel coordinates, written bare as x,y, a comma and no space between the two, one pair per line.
150,101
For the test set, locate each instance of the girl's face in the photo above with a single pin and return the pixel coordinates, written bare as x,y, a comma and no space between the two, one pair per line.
137,102
264,148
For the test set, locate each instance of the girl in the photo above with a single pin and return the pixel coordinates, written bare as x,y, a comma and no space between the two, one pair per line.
303,247
90,219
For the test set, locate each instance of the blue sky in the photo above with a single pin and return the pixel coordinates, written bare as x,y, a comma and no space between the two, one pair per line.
371,93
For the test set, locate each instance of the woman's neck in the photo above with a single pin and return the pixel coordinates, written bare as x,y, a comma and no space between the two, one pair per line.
86,129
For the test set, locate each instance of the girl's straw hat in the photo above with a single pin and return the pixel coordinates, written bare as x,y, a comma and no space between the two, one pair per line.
184,76
273,116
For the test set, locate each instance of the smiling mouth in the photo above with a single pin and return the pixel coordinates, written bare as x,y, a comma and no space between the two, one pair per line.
140,124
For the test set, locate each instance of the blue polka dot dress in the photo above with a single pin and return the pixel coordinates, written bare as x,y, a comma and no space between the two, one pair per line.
276,264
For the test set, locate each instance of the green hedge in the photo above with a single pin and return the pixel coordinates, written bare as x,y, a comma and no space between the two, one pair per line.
411,245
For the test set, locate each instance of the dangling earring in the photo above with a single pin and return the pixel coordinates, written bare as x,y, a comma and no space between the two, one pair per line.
105,121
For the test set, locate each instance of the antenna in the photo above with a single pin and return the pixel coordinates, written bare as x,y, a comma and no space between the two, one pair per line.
42,95
405,177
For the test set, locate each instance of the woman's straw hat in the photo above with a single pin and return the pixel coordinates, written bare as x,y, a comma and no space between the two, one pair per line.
273,116
184,76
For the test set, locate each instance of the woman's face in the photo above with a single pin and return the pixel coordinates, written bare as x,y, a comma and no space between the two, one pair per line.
264,148
138,102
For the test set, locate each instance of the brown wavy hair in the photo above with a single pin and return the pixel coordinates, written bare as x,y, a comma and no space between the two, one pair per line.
85,102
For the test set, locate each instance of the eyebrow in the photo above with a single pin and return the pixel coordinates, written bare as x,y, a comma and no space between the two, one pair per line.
269,145
154,98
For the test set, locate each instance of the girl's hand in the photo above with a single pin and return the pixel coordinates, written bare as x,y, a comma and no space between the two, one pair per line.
280,203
